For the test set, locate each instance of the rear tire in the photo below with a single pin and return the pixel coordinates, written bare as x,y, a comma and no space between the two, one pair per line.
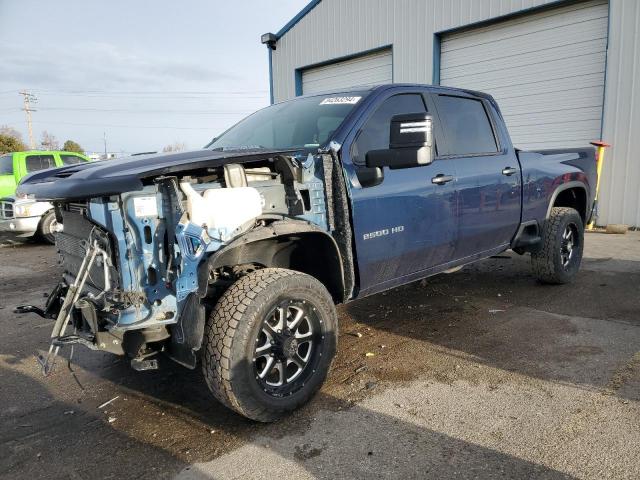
269,343
46,228
559,259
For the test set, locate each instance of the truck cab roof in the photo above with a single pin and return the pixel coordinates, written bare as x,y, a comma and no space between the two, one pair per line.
396,86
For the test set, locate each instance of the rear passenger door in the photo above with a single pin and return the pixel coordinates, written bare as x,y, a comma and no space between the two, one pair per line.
488,174
8,175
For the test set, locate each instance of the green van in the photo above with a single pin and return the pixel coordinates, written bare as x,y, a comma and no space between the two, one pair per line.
14,166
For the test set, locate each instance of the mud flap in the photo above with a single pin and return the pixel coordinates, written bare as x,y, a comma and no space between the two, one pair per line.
187,334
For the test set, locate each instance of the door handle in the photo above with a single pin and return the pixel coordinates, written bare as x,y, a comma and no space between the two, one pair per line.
508,171
441,179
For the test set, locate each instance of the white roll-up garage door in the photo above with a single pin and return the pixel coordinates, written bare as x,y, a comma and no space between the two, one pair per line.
546,70
366,70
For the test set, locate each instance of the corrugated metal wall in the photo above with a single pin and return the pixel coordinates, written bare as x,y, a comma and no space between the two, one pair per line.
338,28
620,183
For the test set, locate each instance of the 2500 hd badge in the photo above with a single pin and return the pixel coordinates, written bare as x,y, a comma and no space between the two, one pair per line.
383,232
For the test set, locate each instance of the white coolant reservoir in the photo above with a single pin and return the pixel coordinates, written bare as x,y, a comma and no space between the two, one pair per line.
222,210
196,207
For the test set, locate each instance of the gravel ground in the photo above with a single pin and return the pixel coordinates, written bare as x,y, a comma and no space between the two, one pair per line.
478,374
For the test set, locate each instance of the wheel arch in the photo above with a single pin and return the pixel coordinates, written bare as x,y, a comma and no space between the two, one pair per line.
290,244
570,194
43,216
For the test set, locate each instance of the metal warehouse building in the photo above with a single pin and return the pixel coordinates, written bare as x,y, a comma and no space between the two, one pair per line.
564,72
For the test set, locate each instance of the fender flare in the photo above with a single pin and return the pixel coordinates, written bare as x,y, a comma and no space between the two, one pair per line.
561,188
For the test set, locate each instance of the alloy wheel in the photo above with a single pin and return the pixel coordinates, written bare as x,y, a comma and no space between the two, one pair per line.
568,244
287,345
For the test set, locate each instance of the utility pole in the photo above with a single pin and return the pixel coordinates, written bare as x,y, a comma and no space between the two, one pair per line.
104,137
28,99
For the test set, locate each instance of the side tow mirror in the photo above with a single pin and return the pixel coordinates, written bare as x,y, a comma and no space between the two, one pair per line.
410,143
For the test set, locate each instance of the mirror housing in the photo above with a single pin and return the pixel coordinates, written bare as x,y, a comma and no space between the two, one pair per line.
410,143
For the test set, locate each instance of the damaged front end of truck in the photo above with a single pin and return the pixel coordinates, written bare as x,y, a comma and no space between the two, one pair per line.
148,246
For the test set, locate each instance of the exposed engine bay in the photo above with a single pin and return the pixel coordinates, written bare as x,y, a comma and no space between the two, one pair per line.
141,268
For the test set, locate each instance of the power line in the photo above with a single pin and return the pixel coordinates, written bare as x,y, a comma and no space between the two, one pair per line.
145,92
150,96
101,125
127,110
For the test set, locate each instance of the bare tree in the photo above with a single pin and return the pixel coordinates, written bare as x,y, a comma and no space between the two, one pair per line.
175,147
10,132
49,142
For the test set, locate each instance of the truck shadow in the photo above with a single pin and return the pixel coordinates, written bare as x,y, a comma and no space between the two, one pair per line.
46,437
427,328
495,314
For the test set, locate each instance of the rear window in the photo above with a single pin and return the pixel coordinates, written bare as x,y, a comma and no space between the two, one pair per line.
467,126
71,159
39,162
6,165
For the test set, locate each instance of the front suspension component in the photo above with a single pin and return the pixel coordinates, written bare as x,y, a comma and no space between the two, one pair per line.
71,298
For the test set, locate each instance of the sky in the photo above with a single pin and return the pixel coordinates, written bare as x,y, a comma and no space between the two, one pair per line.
145,74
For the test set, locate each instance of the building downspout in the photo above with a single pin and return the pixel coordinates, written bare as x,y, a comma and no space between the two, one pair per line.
270,75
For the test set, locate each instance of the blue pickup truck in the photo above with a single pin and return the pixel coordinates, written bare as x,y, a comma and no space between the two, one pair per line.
234,256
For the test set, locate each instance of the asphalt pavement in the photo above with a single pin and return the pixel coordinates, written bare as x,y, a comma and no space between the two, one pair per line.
483,373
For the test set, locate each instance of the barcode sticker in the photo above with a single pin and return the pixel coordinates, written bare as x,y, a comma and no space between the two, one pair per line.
340,101
145,207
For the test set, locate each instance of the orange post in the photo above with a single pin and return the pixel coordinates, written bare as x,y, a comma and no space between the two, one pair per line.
600,148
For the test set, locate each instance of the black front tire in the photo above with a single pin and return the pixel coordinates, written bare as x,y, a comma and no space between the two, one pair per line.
237,343
558,261
45,229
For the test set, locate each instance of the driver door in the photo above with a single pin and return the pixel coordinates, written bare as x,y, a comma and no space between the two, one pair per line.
405,223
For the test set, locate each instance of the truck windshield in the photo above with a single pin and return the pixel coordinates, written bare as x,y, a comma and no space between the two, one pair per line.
6,165
301,123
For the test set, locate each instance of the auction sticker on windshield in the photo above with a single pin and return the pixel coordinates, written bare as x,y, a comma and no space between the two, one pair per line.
340,101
